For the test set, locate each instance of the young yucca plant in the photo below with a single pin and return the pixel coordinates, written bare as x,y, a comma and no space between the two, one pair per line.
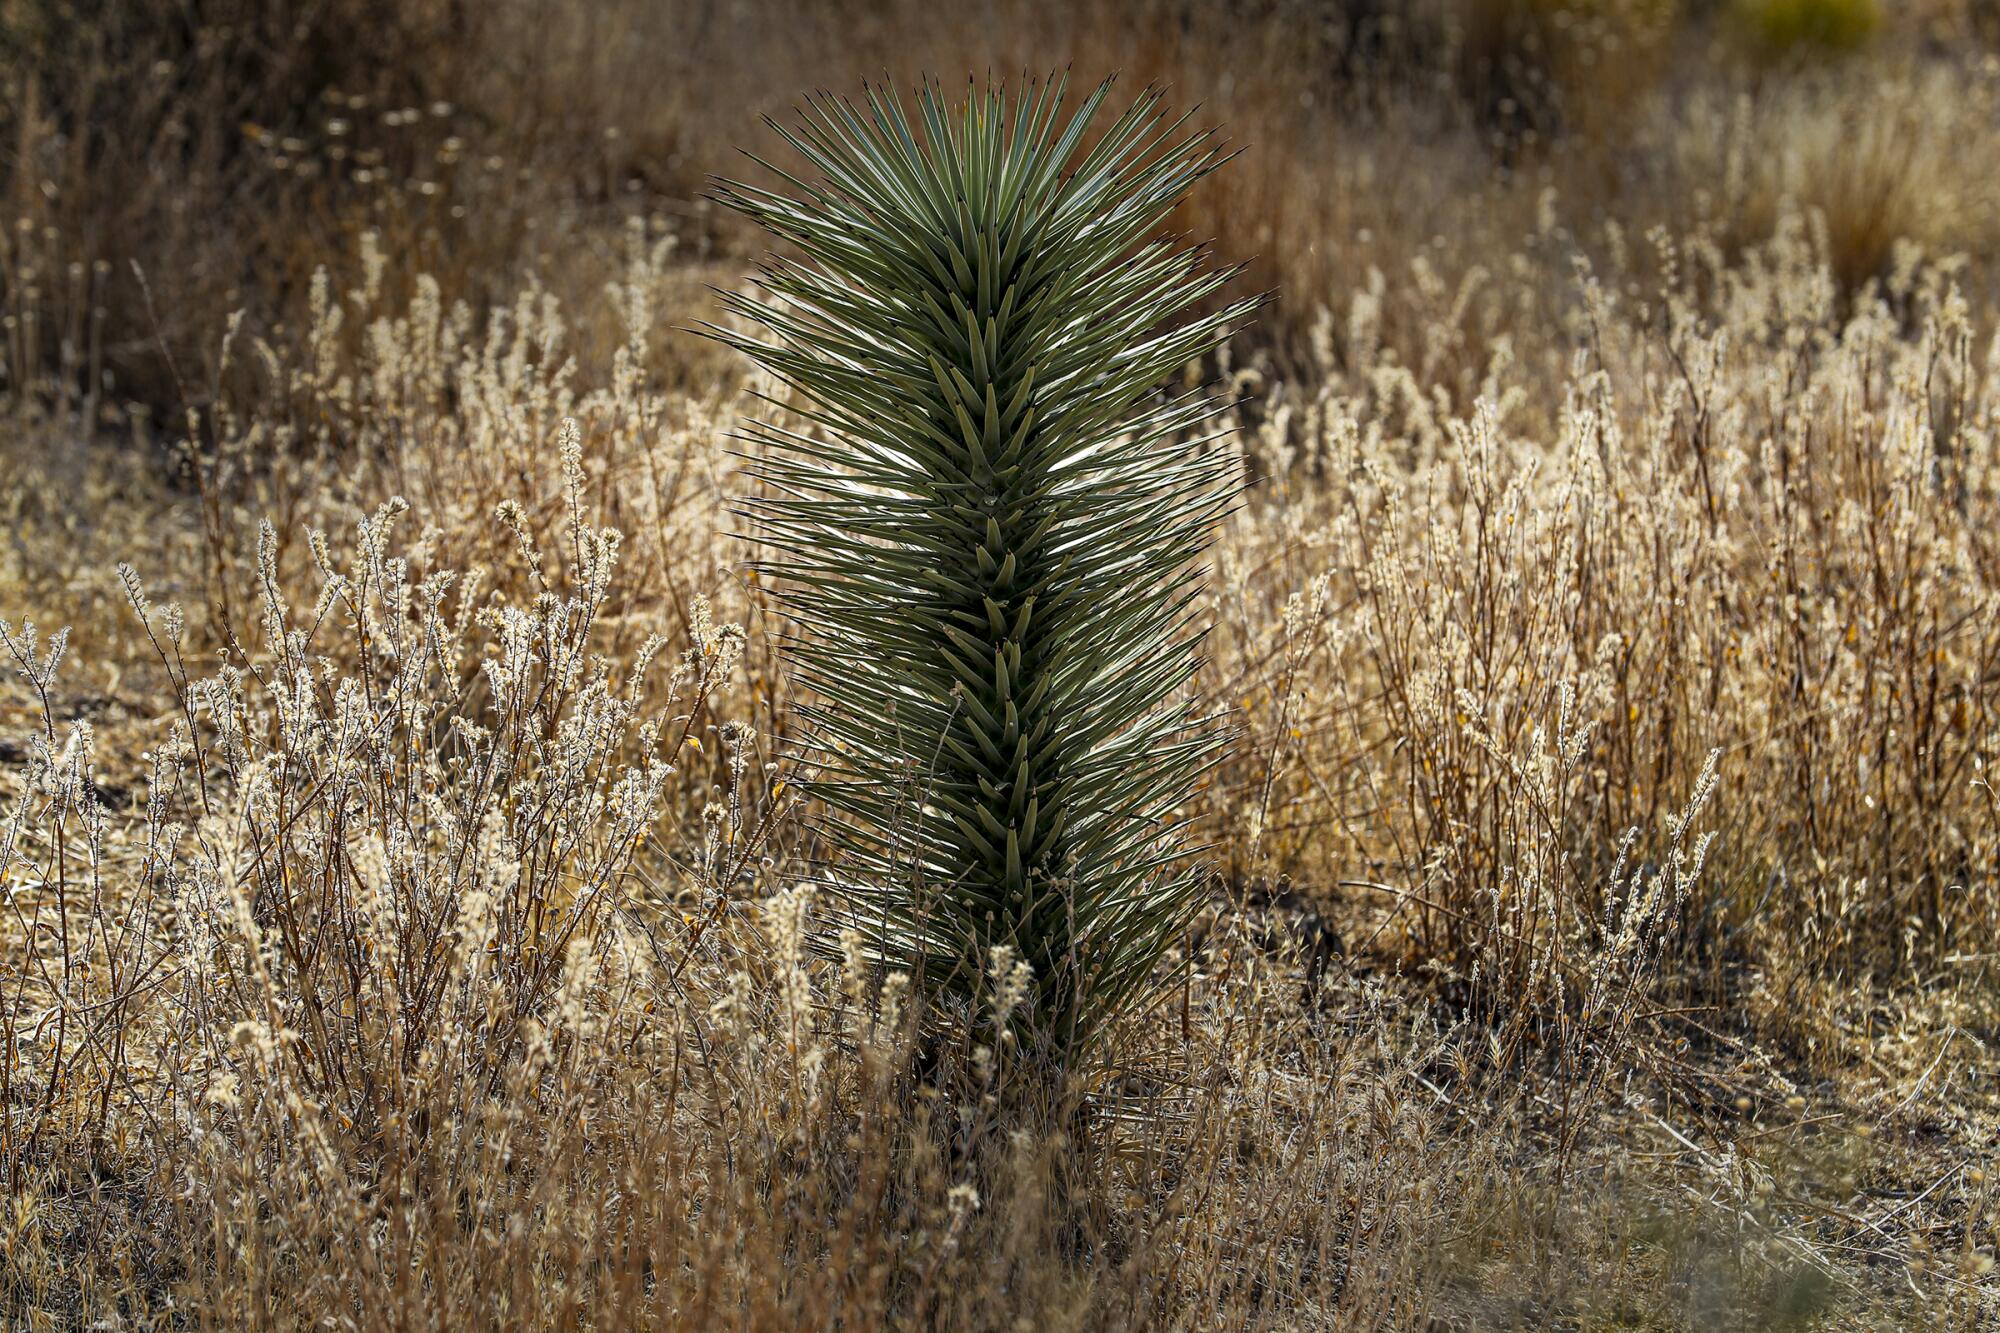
985,518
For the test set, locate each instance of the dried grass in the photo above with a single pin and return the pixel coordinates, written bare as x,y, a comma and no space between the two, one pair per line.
399,856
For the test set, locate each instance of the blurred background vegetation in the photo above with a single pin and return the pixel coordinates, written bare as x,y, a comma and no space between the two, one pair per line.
226,145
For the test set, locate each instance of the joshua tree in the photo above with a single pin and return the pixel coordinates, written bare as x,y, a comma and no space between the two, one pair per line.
985,517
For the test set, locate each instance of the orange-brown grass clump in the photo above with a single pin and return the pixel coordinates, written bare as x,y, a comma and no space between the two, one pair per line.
401,850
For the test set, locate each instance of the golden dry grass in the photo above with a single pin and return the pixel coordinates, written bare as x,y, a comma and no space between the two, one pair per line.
402,925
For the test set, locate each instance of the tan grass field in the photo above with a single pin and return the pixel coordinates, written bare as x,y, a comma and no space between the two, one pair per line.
406,915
